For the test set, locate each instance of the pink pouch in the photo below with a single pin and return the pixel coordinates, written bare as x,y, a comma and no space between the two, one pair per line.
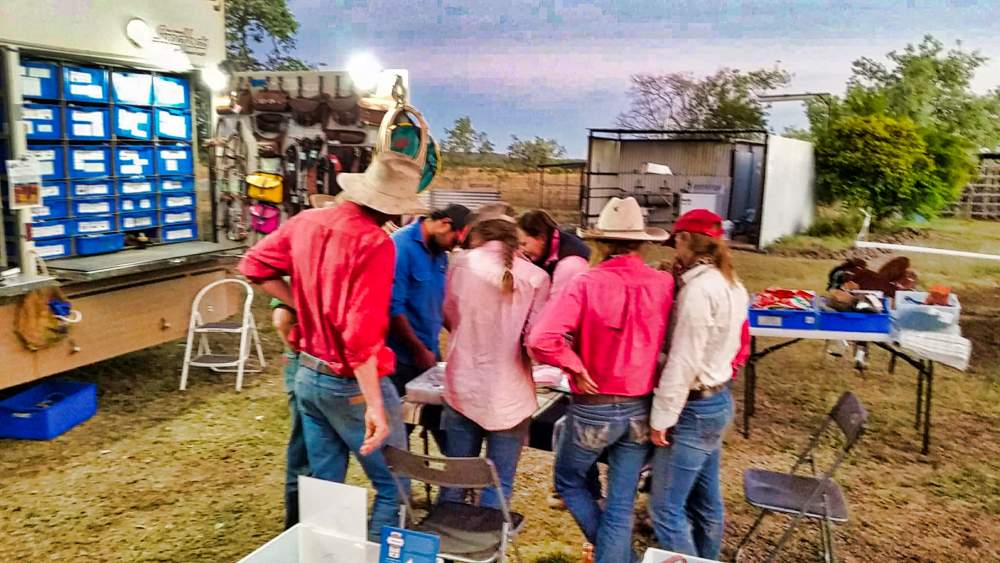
265,218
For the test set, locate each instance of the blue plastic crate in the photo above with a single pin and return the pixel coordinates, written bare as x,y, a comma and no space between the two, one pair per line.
42,230
54,189
139,220
94,206
133,160
51,209
177,200
89,161
51,160
85,84
39,80
134,88
93,188
179,233
133,123
171,92
54,248
136,186
88,245
44,121
47,409
173,124
84,123
786,319
880,323
98,224
173,185
178,216
174,160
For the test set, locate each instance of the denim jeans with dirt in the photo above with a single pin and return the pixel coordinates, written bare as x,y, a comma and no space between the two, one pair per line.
333,423
686,498
296,459
621,429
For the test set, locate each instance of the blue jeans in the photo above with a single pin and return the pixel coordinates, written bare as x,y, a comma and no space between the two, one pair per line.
623,430
686,498
333,422
464,438
296,459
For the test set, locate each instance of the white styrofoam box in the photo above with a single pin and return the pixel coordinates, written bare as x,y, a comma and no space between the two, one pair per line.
653,555
910,312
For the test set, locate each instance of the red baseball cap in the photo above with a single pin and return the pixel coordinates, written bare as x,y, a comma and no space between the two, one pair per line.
701,221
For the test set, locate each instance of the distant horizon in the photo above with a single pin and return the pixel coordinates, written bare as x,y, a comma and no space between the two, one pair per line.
555,68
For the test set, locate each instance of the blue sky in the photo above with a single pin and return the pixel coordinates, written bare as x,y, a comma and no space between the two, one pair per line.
557,67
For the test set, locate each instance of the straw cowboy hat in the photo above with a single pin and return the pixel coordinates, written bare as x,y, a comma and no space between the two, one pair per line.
389,184
621,219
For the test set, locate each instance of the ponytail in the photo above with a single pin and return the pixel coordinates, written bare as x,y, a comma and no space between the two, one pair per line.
503,231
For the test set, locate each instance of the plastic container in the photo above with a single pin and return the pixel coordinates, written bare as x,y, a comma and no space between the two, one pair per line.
911,313
85,123
171,92
133,160
136,186
133,123
85,84
89,161
93,188
54,190
173,124
880,323
179,233
39,79
52,209
174,160
47,409
134,88
177,201
44,121
174,185
54,248
94,206
136,203
51,160
139,220
98,224
41,230
177,216
88,245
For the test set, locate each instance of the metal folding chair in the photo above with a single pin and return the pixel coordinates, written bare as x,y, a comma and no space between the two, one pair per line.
245,326
814,496
469,534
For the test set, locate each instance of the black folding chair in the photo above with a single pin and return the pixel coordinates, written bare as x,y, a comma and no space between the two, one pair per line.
469,534
817,496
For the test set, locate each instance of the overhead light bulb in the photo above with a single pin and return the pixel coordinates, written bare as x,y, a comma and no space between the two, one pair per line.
138,32
364,70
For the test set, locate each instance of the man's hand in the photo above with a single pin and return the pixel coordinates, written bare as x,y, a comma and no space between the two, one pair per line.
424,360
660,438
584,383
376,429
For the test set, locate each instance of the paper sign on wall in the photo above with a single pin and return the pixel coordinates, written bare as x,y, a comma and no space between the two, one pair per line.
25,179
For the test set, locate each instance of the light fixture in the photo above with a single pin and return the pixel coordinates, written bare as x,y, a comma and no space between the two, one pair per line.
139,33
214,78
364,70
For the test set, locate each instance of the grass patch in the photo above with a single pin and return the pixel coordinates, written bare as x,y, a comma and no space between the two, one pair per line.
973,484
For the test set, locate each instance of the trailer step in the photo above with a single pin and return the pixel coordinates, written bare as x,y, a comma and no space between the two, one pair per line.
219,327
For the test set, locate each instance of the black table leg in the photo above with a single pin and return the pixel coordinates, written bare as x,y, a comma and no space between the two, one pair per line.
927,407
749,384
892,363
920,395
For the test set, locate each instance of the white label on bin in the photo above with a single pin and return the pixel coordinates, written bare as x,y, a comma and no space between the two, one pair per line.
179,233
766,321
171,185
31,127
172,125
39,72
44,128
84,156
48,231
50,250
101,207
131,169
169,93
173,155
40,211
171,165
31,86
180,201
84,130
133,222
78,77
132,87
43,155
179,217
88,124
47,168
128,155
136,188
50,191
39,114
93,226
89,91
92,189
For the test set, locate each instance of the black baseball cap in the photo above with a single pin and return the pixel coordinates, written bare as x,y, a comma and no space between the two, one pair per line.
459,215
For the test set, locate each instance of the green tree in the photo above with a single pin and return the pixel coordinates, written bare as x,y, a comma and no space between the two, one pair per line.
724,100
463,138
252,23
534,152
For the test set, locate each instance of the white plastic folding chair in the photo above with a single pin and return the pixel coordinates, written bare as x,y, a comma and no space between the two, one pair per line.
245,326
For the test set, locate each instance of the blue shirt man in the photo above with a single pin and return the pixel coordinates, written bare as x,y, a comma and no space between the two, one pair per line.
418,290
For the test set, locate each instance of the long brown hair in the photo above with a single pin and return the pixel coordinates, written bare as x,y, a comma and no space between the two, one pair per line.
538,223
717,249
503,231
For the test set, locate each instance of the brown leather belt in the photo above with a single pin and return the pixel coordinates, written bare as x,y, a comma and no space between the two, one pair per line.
593,400
318,365
700,394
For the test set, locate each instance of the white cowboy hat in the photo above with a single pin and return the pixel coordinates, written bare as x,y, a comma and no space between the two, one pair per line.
621,219
389,184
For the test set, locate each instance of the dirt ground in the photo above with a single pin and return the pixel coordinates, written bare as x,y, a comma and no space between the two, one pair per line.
163,475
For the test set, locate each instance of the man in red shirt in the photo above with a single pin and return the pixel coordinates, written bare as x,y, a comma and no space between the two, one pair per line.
340,263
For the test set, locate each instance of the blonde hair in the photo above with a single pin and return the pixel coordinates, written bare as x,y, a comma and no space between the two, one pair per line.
601,250
504,231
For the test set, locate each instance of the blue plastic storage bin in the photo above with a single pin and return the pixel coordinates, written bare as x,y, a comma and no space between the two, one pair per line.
93,188
177,201
177,216
173,124
179,233
172,185
51,160
171,92
44,121
41,230
134,88
136,186
133,160
139,220
786,319
39,79
53,189
137,203
54,248
47,409
85,84
89,161
857,322
94,206
98,224
84,123
88,245
51,209
174,160
133,123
